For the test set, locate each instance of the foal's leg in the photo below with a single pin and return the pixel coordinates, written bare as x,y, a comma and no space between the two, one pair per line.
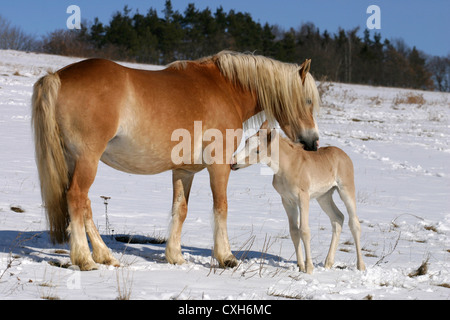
337,219
305,233
81,218
347,195
218,175
293,214
182,182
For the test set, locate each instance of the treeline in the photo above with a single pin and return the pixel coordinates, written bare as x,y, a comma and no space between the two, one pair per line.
162,38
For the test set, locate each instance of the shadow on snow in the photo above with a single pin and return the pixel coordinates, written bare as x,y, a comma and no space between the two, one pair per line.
37,246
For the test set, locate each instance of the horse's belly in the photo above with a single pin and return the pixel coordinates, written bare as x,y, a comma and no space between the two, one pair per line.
143,159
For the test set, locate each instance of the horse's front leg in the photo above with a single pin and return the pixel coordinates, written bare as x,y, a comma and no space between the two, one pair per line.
182,182
218,175
293,214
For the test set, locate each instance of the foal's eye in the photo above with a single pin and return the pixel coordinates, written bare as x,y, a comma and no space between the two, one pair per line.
308,101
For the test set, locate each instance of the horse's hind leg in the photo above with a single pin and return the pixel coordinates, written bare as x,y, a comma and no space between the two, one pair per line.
337,219
182,182
100,252
81,218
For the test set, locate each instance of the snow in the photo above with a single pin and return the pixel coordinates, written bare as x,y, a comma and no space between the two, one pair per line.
401,154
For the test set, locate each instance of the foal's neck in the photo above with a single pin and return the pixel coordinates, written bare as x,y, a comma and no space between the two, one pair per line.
286,148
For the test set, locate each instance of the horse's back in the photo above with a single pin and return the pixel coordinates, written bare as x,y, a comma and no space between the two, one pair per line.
128,116
89,100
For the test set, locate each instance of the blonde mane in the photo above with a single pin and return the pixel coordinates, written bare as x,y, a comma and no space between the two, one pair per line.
280,91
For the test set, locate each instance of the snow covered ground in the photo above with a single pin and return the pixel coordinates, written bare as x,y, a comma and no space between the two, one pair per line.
398,140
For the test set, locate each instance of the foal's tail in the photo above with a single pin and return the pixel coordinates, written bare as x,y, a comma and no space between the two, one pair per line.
50,155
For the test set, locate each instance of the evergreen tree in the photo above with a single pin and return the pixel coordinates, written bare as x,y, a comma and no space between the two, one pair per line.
395,68
121,33
171,34
97,34
286,47
420,77
148,41
267,38
244,31
342,56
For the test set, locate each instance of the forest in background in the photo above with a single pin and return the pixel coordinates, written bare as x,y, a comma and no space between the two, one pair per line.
155,38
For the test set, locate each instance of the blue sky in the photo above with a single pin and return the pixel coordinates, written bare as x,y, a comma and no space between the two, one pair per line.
421,23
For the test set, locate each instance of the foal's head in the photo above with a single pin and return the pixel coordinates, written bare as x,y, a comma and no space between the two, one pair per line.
259,148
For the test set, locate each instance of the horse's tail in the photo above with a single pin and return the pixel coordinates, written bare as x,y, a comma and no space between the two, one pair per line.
50,155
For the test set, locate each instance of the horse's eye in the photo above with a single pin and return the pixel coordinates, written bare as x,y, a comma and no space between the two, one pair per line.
308,101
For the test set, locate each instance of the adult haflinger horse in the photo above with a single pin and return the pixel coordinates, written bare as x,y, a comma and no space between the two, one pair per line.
99,110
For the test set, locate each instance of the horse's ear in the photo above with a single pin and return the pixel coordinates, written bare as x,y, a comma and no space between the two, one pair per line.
304,69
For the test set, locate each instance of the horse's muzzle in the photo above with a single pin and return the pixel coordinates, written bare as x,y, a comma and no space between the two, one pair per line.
310,143
310,146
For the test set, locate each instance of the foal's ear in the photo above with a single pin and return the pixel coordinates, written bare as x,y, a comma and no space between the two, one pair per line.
269,131
304,69
271,134
265,125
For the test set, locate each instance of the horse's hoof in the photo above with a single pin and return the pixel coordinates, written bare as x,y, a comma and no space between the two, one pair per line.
108,260
112,262
88,266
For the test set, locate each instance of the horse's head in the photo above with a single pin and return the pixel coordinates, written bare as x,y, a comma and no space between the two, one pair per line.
286,92
301,125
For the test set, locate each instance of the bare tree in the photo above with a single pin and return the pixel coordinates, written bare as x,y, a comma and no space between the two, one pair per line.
14,38
440,69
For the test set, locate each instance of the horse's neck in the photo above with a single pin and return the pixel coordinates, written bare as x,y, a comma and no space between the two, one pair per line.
250,109
246,101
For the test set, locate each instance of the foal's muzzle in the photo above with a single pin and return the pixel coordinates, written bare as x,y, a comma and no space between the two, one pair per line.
234,167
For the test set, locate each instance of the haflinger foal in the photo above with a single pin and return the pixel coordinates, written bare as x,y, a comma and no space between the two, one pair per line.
301,175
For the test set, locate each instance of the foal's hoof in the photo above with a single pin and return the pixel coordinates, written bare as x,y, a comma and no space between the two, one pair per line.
361,266
308,269
229,262
178,259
